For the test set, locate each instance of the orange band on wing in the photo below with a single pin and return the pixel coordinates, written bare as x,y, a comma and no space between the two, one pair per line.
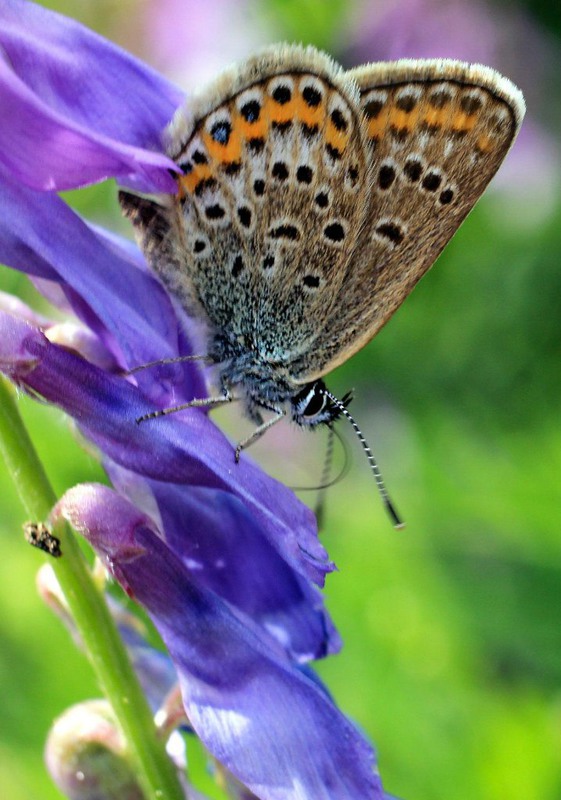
463,122
309,115
188,183
436,117
279,112
484,144
253,130
335,138
377,125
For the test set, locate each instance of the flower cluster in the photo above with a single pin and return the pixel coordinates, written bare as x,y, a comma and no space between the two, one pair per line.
225,560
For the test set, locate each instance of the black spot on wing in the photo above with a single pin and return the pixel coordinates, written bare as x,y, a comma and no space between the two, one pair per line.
334,232
284,231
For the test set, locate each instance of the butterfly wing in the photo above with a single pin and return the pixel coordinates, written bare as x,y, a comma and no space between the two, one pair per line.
437,133
271,201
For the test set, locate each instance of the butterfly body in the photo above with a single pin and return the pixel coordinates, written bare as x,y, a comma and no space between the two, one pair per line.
267,386
309,203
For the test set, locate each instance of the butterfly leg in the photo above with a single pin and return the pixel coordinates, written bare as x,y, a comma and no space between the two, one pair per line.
174,360
258,432
202,402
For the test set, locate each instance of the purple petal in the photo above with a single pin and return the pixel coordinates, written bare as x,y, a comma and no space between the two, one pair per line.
91,110
262,718
154,668
41,235
218,540
167,449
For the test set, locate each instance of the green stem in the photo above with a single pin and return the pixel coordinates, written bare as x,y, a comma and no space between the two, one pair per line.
89,610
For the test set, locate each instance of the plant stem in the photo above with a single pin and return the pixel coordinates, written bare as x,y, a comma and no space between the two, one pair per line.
89,610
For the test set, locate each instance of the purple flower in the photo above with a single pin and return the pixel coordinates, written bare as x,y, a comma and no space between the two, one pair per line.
66,95
263,718
223,557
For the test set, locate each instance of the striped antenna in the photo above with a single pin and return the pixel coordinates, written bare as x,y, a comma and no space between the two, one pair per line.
388,505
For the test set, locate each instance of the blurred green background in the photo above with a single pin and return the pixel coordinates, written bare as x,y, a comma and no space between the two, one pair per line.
452,658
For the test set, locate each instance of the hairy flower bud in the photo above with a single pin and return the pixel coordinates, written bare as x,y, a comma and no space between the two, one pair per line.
87,756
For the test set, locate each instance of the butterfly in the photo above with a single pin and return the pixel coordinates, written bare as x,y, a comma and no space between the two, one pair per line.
310,200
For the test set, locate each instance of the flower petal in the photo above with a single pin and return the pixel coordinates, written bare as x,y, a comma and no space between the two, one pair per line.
167,449
262,718
218,540
87,107
41,235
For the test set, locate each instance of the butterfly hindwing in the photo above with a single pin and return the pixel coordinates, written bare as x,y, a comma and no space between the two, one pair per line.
437,132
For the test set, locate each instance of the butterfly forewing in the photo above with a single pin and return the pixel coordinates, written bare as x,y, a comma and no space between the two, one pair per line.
437,132
272,199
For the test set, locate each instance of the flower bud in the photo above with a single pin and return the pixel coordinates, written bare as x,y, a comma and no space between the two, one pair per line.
87,756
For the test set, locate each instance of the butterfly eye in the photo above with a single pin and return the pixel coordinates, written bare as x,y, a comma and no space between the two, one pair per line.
310,405
315,404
